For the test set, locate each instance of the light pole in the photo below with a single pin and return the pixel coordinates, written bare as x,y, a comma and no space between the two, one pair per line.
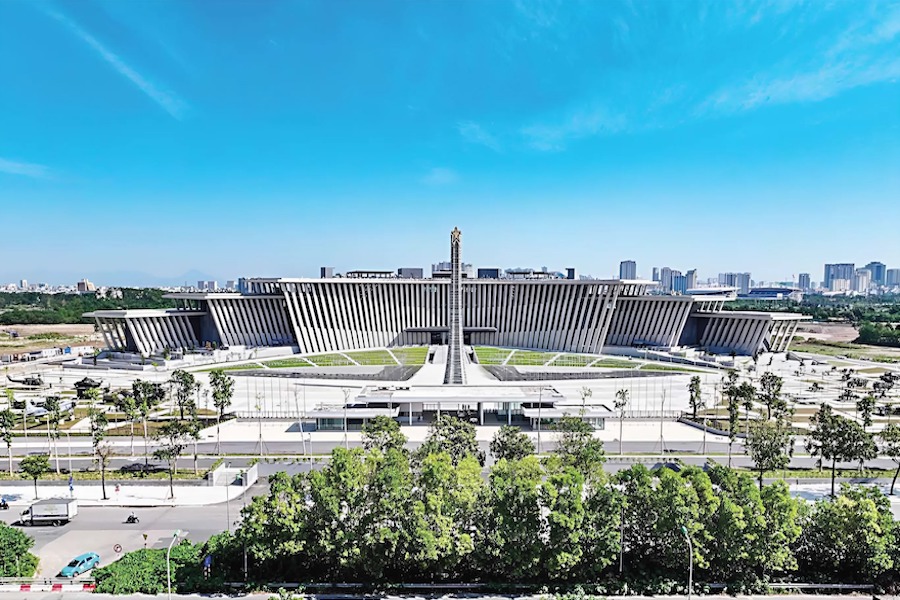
178,533
690,561
346,400
227,508
69,444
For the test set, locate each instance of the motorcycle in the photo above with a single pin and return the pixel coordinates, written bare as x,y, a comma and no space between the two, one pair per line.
132,519
4,505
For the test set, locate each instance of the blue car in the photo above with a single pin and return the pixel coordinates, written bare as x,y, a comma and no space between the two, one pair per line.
80,564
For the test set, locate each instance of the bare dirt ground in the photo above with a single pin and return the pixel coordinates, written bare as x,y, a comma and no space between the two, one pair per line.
66,335
831,332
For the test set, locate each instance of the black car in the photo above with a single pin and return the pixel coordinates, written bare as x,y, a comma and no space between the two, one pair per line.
141,468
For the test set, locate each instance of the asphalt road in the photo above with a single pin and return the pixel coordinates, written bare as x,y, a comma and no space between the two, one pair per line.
239,454
99,529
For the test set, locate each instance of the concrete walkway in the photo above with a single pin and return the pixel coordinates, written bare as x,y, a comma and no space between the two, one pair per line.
20,496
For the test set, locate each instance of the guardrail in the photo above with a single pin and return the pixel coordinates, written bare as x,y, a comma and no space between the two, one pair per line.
45,584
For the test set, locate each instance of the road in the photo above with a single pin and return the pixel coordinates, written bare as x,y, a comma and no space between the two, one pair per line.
99,529
239,453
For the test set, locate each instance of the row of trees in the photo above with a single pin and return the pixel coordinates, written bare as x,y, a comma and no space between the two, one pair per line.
36,307
137,404
855,309
384,514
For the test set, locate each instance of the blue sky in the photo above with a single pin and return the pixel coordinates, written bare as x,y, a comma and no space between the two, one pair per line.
269,138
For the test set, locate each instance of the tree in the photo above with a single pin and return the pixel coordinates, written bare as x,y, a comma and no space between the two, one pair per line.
770,394
836,438
770,446
16,559
621,403
147,396
696,398
849,539
98,423
578,448
383,433
890,437
184,386
222,391
732,399
54,416
747,394
865,406
127,403
173,438
35,466
7,426
585,393
514,519
511,444
453,436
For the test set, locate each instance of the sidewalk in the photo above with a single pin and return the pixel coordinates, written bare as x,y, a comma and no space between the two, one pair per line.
129,495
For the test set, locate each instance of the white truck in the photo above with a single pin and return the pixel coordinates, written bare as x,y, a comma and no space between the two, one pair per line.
53,511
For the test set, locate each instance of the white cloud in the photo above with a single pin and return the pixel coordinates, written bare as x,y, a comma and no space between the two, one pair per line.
440,176
20,168
169,101
554,136
475,134
861,55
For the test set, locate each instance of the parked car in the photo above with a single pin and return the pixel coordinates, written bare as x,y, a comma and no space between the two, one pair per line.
140,467
80,564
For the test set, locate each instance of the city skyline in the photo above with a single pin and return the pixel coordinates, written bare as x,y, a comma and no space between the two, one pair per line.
284,138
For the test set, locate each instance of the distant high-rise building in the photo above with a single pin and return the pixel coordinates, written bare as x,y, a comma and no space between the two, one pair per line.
201,285
840,285
691,277
326,272
410,273
23,284
230,285
679,283
892,277
878,272
741,281
838,271
862,279
489,273
665,279
85,286
803,282
627,269
570,273
655,274
212,286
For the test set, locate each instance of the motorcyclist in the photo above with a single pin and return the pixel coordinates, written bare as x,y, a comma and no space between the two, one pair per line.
3,504
132,518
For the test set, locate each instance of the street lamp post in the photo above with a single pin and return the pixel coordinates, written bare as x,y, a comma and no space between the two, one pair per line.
227,508
690,561
178,533
69,444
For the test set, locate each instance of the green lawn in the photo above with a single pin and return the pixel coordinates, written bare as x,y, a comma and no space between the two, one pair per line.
488,355
615,363
573,360
287,363
530,358
330,360
411,355
373,357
